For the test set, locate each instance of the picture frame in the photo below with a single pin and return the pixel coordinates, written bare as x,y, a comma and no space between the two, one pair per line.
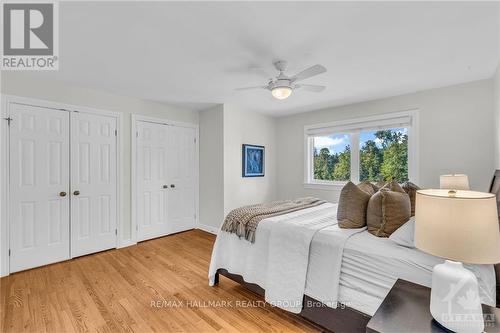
253,160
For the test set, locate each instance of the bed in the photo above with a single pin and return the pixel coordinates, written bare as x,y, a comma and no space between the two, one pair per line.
343,301
371,265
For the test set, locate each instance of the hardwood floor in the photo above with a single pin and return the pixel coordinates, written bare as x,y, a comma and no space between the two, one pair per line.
114,291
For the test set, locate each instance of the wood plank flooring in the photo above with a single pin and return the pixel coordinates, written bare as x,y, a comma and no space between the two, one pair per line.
114,291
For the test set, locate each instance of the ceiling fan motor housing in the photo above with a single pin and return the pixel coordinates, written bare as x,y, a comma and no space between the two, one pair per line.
281,83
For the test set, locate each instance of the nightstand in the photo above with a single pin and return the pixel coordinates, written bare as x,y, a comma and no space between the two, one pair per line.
405,309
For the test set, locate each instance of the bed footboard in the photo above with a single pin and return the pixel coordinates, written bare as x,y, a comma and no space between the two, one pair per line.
239,279
338,320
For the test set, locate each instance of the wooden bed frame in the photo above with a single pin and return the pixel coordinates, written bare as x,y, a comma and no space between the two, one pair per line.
339,320
345,319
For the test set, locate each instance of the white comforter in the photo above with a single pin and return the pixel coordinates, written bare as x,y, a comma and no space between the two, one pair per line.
371,265
323,274
278,260
309,254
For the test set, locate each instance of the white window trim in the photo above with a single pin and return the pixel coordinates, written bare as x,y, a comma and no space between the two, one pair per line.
346,126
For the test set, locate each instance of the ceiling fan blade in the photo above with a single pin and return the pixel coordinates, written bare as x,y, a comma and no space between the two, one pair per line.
252,88
309,72
311,87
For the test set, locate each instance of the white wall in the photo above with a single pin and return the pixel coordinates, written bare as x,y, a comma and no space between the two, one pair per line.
456,123
211,168
496,87
23,84
223,131
456,135
244,127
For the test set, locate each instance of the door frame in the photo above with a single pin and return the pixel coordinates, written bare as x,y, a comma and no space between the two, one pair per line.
135,119
6,101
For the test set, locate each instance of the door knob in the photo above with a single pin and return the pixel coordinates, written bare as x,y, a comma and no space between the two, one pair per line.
76,192
62,194
165,186
172,185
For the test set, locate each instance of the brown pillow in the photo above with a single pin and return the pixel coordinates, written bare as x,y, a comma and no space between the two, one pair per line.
368,187
393,186
351,211
411,189
387,211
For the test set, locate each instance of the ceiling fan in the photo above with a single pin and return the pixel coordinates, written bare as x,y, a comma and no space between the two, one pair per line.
282,85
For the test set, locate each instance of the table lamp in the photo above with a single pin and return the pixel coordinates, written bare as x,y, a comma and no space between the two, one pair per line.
454,182
460,226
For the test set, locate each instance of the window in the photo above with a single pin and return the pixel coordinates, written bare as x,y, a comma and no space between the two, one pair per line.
383,155
332,157
375,149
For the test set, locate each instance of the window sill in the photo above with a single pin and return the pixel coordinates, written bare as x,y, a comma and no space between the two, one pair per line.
324,186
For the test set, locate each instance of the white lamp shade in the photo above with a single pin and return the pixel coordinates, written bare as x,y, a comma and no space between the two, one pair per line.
461,226
454,182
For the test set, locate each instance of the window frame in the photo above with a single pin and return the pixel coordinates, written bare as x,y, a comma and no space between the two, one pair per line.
348,126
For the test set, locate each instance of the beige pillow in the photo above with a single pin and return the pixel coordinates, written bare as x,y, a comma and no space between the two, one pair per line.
351,211
387,211
393,186
411,189
368,187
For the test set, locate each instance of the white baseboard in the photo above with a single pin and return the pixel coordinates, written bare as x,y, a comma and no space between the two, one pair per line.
126,243
208,228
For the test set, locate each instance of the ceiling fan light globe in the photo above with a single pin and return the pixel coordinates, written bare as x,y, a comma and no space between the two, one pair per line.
281,92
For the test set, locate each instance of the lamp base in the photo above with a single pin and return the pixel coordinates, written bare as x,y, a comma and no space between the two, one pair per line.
455,302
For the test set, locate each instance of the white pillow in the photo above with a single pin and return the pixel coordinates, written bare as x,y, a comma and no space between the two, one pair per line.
405,234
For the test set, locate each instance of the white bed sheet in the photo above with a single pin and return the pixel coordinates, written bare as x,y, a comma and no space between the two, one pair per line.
371,265
278,259
250,260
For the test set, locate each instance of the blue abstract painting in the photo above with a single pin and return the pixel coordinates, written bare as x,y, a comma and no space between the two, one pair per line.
253,161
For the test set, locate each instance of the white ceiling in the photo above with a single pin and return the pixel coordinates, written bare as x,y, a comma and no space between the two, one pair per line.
196,54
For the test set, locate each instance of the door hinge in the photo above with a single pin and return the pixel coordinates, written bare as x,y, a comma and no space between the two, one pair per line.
9,119
194,140
136,134
116,232
116,132
9,252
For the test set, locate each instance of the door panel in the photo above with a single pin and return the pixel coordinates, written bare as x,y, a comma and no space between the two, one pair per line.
166,179
94,178
151,178
182,174
39,171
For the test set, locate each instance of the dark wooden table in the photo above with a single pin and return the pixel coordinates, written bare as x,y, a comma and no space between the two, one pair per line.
405,309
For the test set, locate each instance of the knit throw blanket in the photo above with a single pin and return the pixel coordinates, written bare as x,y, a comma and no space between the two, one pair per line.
243,221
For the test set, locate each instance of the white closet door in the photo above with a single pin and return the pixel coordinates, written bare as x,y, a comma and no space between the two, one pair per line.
93,183
181,161
151,176
39,186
